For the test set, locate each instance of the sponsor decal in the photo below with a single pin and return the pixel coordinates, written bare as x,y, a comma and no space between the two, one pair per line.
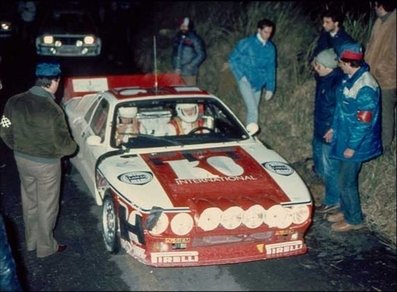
279,167
136,177
90,84
284,232
174,257
285,247
215,179
177,240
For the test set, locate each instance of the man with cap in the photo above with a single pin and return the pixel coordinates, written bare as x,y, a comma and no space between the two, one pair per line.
355,133
188,52
34,126
328,76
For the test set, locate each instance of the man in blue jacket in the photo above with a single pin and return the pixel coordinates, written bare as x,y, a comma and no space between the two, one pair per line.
355,133
253,64
328,76
188,52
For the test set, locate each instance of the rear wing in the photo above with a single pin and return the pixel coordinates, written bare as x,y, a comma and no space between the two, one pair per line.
82,85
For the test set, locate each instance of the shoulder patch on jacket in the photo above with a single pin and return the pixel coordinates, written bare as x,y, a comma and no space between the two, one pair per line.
364,116
5,122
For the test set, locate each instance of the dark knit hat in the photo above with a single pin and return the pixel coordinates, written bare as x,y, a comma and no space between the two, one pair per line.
327,58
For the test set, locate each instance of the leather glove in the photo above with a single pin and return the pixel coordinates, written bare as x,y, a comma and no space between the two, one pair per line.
268,95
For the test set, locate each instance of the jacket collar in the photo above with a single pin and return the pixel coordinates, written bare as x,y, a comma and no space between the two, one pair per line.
40,91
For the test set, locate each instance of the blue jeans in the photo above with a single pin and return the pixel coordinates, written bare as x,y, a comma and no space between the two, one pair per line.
350,197
327,169
251,98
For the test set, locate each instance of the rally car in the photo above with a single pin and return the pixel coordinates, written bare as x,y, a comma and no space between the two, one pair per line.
213,195
68,33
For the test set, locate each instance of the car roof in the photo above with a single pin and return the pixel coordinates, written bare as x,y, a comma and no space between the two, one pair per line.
127,86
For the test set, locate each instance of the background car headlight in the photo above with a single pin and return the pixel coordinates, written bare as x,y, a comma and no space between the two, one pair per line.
232,217
278,216
5,26
182,224
48,39
210,218
253,216
161,225
300,213
89,40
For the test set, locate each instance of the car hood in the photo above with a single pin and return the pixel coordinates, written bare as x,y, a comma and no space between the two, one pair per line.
227,175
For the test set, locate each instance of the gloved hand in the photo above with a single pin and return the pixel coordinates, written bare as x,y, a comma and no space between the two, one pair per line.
268,95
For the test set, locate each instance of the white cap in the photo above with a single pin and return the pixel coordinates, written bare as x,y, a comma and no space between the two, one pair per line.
128,112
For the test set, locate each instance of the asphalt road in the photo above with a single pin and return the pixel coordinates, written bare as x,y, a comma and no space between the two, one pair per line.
354,261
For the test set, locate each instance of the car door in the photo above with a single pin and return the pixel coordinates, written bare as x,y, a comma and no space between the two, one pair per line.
93,126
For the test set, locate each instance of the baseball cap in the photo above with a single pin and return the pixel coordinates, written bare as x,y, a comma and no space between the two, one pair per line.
351,51
48,69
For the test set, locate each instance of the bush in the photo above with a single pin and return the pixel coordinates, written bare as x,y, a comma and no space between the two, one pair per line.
286,120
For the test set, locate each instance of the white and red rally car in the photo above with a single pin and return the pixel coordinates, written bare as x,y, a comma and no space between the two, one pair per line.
213,195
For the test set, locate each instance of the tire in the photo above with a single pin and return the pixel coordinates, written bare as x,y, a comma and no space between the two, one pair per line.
110,226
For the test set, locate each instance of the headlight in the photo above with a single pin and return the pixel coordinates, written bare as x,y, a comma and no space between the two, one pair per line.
182,224
278,216
232,217
58,43
300,213
79,43
89,40
253,216
6,26
48,39
161,225
210,218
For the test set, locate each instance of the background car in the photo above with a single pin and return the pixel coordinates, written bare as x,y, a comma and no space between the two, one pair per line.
68,33
212,195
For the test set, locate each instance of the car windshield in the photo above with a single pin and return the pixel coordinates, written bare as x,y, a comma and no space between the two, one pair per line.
159,123
69,22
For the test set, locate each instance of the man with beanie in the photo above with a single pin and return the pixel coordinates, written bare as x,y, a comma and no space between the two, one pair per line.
188,52
34,126
328,76
355,133
253,64
381,58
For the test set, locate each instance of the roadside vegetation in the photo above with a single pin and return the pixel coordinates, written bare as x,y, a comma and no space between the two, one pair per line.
286,121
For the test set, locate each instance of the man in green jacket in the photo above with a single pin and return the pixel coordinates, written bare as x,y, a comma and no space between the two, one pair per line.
34,126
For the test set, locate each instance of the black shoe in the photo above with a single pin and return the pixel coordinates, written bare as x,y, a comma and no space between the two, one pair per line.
61,247
327,208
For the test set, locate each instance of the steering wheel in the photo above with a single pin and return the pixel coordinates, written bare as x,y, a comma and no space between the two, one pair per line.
201,128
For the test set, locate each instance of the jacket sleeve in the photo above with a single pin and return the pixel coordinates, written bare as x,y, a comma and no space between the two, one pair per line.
271,82
6,126
361,128
176,50
199,48
63,141
236,59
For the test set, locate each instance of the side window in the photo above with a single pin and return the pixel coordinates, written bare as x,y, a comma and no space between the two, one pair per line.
92,107
98,122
